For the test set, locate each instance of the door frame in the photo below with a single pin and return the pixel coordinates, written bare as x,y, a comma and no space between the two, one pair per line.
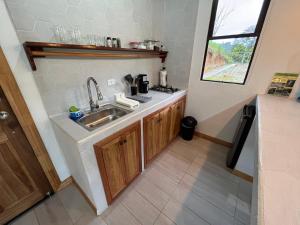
19,107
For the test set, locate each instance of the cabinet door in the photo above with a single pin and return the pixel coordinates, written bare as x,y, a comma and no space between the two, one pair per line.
177,111
112,167
151,136
132,152
165,119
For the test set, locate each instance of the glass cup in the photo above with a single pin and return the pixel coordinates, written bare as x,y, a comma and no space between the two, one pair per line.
76,35
60,34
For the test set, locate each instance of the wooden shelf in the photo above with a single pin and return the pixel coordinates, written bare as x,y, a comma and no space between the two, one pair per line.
45,49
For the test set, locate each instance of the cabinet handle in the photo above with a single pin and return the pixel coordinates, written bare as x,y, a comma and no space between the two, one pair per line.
125,141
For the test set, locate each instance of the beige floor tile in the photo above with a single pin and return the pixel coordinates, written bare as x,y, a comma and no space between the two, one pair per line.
171,166
152,193
28,218
143,210
120,215
243,212
90,219
205,171
245,191
74,203
216,157
182,215
159,179
188,183
174,160
237,222
201,207
215,168
52,212
184,150
163,220
220,197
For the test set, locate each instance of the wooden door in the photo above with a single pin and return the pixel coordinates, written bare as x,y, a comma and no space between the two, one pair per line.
112,160
152,130
177,111
22,181
132,152
164,129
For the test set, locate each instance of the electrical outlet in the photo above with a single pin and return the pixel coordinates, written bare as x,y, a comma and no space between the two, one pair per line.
111,82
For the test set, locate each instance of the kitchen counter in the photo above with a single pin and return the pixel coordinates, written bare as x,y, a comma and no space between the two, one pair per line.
79,134
278,161
77,144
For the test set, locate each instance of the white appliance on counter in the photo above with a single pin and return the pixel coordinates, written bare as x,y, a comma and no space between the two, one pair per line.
122,100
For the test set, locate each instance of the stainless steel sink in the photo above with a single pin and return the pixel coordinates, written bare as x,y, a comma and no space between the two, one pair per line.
102,116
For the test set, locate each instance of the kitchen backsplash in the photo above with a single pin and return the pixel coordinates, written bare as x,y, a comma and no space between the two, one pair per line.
62,82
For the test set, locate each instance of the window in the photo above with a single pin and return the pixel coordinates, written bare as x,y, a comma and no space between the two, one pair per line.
234,29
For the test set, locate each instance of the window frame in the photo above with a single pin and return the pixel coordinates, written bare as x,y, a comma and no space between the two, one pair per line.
256,33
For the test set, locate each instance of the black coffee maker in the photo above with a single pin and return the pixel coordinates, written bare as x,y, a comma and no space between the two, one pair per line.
142,83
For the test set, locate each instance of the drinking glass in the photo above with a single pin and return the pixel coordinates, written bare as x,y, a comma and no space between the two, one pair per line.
60,34
76,35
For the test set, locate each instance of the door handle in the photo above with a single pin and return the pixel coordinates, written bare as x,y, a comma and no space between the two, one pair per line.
3,115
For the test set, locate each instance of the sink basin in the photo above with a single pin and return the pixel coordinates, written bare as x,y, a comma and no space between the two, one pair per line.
104,115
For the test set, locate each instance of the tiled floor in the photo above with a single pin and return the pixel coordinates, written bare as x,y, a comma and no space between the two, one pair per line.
186,185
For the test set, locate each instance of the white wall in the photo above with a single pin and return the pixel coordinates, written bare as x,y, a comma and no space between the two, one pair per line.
179,22
18,63
217,106
62,82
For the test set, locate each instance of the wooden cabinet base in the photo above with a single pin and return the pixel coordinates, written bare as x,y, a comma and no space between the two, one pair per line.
161,128
119,160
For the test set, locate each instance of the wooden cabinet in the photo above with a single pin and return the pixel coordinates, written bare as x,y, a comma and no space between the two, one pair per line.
156,130
151,136
161,127
177,111
119,160
164,128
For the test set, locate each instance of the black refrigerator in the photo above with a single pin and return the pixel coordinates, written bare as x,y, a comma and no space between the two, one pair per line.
241,134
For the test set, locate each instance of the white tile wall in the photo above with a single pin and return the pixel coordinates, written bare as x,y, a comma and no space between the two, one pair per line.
62,81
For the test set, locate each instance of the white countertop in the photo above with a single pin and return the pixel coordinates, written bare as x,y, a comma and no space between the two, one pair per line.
279,160
80,134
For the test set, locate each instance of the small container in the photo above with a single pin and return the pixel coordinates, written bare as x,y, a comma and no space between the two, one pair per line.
108,42
188,125
134,44
163,77
76,115
118,43
150,44
114,43
134,90
156,48
142,45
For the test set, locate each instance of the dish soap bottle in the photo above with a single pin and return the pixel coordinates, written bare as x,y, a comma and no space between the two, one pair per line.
163,77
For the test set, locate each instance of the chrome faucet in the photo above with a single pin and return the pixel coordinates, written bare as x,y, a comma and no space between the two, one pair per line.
93,105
